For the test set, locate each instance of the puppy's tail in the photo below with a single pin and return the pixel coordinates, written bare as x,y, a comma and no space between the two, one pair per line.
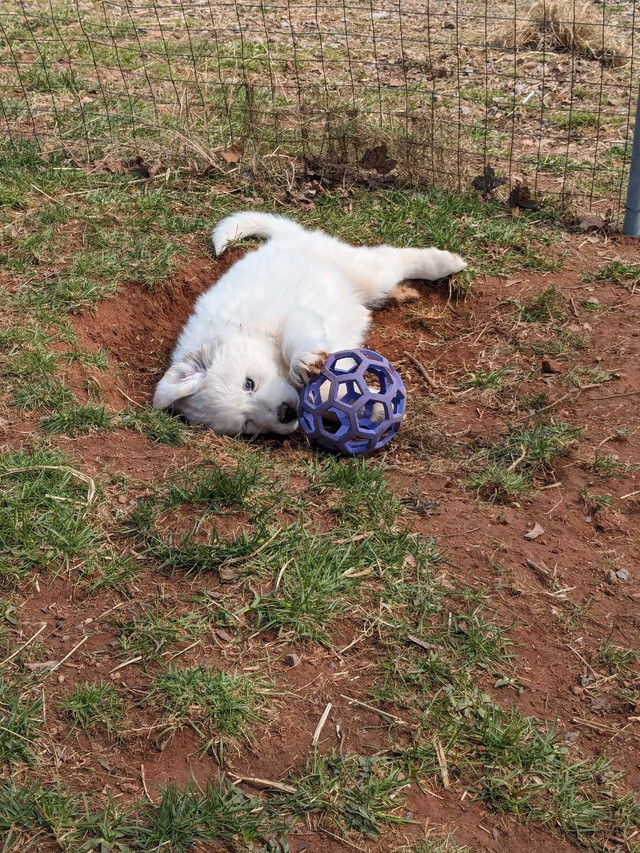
251,224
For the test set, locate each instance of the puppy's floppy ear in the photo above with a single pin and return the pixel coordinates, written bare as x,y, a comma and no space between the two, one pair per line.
184,377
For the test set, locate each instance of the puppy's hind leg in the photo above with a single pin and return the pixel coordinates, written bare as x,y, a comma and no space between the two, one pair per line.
376,271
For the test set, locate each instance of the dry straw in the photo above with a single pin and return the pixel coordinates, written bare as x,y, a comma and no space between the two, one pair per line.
563,26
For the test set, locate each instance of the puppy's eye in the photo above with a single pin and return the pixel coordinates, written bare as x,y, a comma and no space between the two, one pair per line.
249,384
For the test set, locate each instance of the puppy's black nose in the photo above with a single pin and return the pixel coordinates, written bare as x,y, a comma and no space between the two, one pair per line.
286,413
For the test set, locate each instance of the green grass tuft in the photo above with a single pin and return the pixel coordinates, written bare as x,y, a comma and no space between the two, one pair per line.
150,633
618,272
76,420
159,427
356,793
500,484
94,706
21,716
219,814
43,514
534,448
545,306
211,701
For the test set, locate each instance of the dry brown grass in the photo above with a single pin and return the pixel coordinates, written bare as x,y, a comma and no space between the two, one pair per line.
564,26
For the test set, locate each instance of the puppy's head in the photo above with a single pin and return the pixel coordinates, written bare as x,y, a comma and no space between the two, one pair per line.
232,386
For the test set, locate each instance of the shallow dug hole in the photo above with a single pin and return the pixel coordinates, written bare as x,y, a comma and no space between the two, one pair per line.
139,327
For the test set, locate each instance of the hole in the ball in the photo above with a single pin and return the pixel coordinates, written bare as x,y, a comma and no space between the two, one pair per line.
375,380
371,414
358,445
315,394
331,424
396,402
345,364
348,391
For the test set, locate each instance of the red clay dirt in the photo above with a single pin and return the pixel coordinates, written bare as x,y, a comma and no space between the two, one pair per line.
139,328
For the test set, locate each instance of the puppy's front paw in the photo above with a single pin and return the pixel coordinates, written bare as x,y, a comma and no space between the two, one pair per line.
306,365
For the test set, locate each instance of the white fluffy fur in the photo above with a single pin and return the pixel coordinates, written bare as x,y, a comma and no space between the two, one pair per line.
273,317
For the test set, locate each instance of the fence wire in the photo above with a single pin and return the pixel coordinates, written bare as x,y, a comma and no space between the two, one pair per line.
420,93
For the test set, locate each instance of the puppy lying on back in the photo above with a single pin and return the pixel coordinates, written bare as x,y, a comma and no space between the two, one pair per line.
259,334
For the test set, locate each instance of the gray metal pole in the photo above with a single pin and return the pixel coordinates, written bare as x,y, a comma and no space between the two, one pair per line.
632,215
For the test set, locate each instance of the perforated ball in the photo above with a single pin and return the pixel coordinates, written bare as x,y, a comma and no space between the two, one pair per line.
354,405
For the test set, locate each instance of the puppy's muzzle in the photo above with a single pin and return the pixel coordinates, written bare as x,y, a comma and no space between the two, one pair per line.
286,413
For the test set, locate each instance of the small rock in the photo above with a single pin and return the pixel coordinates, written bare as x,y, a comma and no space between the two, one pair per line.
577,691
291,660
448,25
223,635
550,366
590,222
537,530
612,577
622,574
227,574
61,679
378,16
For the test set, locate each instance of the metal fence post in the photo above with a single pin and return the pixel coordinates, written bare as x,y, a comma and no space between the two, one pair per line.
632,215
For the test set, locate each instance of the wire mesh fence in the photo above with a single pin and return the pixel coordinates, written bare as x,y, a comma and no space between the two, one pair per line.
420,93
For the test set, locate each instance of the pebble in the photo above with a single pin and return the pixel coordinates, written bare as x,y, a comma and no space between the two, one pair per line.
577,691
612,577
291,660
550,366
622,574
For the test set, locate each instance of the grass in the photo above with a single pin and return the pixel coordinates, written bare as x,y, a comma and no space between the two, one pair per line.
356,490
152,632
76,420
94,706
45,522
543,307
357,794
563,26
219,814
316,581
594,503
212,702
181,819
485,379
615,658
535,448
328,554
498,483
159,427
618,272
505,471
21,715
607,465
215,487
337,558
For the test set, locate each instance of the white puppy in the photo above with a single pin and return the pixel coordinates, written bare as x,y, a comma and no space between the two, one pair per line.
259,334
